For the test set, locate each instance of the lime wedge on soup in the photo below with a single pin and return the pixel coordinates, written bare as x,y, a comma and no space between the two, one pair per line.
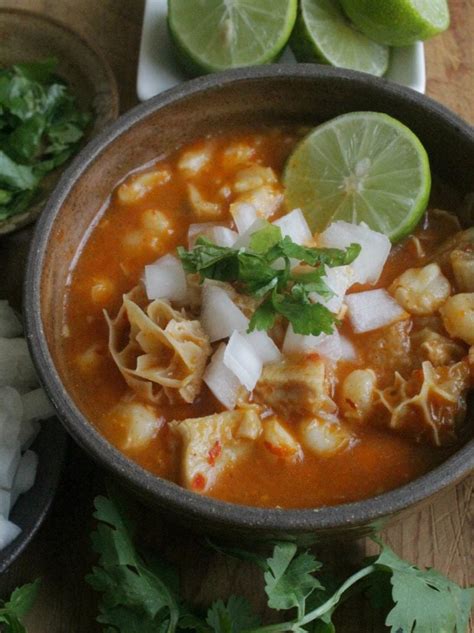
324,34
214,35
360,167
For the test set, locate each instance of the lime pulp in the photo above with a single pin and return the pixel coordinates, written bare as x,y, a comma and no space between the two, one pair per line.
214,35
360,167
324,34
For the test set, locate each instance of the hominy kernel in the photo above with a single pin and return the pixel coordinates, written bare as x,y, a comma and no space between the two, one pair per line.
155,220
102,290
137,187
89,359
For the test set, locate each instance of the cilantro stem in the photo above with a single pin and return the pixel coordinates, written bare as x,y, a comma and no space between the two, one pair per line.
329,604
319,611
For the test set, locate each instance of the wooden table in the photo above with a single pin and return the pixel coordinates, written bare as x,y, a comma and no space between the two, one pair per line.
439,535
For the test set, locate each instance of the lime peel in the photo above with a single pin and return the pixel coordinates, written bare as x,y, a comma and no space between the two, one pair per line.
398,22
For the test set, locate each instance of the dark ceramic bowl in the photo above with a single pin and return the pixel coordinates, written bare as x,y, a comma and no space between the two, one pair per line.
31,508
305,94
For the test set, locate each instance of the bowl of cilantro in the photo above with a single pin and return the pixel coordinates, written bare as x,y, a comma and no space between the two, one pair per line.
56,92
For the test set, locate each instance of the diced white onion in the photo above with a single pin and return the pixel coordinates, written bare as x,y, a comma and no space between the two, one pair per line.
26,473
338,279
16,367
325,345
195,230
375,248
223,236
244,239
373,309
9,459
223,383
28,433
294,226
263,346
165,279
10,416
220,235
219,314
8,532
10,325
5,503
241,358
348,351
37,406
244,215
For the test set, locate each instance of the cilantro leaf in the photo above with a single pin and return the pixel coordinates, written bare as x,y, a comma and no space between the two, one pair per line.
256,276
288,580
20,602
210,261
190,621
133,595
22,599
316,256
233,617
312,282
264,317
16,176
306,318
24,142
425,601
263,239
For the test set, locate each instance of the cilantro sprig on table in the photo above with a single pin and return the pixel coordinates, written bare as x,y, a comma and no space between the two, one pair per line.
142,596
40,128
13,610
264,270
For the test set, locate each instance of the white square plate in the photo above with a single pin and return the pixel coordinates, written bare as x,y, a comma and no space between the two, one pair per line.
158,70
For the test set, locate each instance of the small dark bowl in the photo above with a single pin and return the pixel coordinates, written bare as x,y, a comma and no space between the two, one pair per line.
26,36
31,508
305,94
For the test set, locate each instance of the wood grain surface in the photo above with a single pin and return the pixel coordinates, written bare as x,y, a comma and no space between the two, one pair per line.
440,535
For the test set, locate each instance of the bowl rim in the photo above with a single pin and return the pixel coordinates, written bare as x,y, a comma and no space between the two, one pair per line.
168,494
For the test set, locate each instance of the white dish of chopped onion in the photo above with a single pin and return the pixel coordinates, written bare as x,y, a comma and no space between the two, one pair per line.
23,404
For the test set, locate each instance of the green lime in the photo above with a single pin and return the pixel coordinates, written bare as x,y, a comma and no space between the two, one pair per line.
360,167
398,22
324,34
213,35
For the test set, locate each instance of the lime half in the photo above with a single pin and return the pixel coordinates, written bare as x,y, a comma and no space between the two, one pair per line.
324,34
398,22
213,35
360,167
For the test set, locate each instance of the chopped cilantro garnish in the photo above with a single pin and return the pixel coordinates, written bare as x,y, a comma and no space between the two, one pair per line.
254,272
40,128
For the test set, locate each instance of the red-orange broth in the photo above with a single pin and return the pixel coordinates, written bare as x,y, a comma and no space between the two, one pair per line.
125,239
